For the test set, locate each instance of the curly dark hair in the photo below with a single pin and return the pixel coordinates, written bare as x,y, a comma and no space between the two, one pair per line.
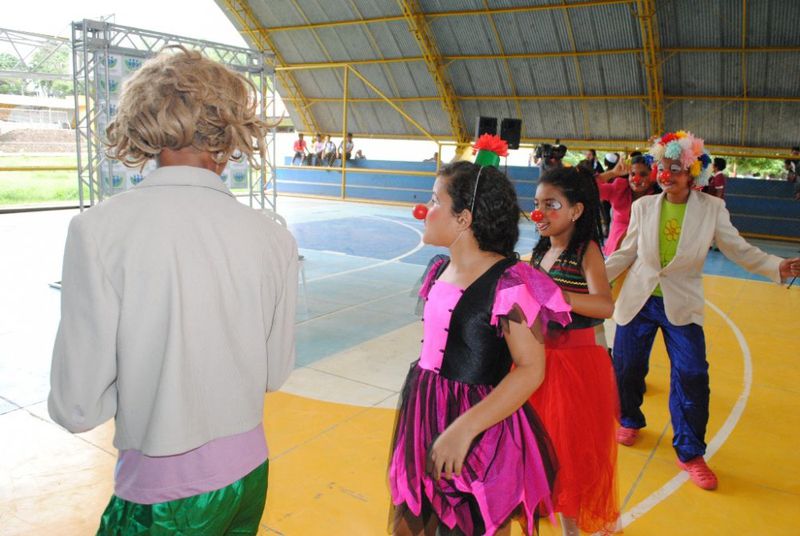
579,186
495,219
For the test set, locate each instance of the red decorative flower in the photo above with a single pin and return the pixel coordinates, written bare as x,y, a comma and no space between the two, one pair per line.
666,138
488,142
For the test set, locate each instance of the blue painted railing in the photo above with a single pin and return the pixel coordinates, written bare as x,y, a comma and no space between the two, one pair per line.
762,207
757,207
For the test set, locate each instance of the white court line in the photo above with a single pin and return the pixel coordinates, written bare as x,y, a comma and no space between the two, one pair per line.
418,247
719,438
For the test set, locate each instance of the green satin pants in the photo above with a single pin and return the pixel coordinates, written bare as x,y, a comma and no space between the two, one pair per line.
234,509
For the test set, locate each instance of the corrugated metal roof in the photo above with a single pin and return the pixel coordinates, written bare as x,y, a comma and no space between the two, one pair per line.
773,75
585,30
703,74
720,121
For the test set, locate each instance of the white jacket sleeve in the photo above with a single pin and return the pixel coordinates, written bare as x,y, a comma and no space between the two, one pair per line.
280,339
83,390
737,249
621,260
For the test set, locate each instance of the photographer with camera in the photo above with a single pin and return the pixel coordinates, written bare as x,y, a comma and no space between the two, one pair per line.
549,157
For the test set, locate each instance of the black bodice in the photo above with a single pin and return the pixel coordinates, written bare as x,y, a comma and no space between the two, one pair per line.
475,352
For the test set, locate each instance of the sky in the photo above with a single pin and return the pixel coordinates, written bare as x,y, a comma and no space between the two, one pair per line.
201,19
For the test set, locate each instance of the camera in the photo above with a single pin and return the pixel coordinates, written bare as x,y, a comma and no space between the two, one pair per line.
550,155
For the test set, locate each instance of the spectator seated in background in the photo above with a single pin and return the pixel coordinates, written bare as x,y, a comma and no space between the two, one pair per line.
300,150
360,155
329,152
347,145
319,148
434,158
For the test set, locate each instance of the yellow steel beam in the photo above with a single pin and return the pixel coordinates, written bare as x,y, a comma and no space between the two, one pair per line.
743,60
601,145
314,100
731,50
442,14
390,102
418,27
781,153
720,98
732,98
38,168
651,49
260,37
370,170
465,57
543,55
344,131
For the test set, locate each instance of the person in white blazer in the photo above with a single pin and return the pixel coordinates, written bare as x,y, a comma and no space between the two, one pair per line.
177,309
664,251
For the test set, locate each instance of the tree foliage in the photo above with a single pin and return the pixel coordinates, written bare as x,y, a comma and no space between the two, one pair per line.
45,60
756,167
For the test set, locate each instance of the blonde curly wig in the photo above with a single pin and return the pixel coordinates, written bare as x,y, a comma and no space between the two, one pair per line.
180,99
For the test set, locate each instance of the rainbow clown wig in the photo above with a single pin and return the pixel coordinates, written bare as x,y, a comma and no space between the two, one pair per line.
688,150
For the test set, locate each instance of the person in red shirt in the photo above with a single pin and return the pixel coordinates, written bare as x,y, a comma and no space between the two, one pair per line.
300,150
716,185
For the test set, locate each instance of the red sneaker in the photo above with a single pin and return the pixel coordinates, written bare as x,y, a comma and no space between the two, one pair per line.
700,473
627,436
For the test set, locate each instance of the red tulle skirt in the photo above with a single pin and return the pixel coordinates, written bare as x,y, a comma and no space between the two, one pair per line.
578,404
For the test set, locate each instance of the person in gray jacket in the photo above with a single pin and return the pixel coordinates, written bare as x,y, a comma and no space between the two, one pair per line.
177,311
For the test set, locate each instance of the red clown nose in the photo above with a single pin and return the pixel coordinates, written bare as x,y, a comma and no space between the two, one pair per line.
637,180
537,215
664,175
420,212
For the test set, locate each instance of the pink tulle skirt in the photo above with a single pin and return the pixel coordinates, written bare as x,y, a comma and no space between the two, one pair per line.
507,472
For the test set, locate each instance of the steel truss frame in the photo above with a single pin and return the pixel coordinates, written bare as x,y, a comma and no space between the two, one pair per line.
24,46
93,41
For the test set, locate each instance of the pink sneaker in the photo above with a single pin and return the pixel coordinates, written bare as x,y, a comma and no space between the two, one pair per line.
627,436
700,473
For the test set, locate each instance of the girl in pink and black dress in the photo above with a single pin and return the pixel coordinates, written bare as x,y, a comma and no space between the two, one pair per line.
469,454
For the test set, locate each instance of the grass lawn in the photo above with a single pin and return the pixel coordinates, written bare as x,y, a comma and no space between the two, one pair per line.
30,187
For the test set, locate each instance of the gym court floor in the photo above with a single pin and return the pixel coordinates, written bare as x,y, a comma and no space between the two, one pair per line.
329,427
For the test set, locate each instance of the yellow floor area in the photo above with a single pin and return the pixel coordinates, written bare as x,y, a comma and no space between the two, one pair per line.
327,474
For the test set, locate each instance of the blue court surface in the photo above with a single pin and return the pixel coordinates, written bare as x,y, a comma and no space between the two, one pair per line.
362,262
